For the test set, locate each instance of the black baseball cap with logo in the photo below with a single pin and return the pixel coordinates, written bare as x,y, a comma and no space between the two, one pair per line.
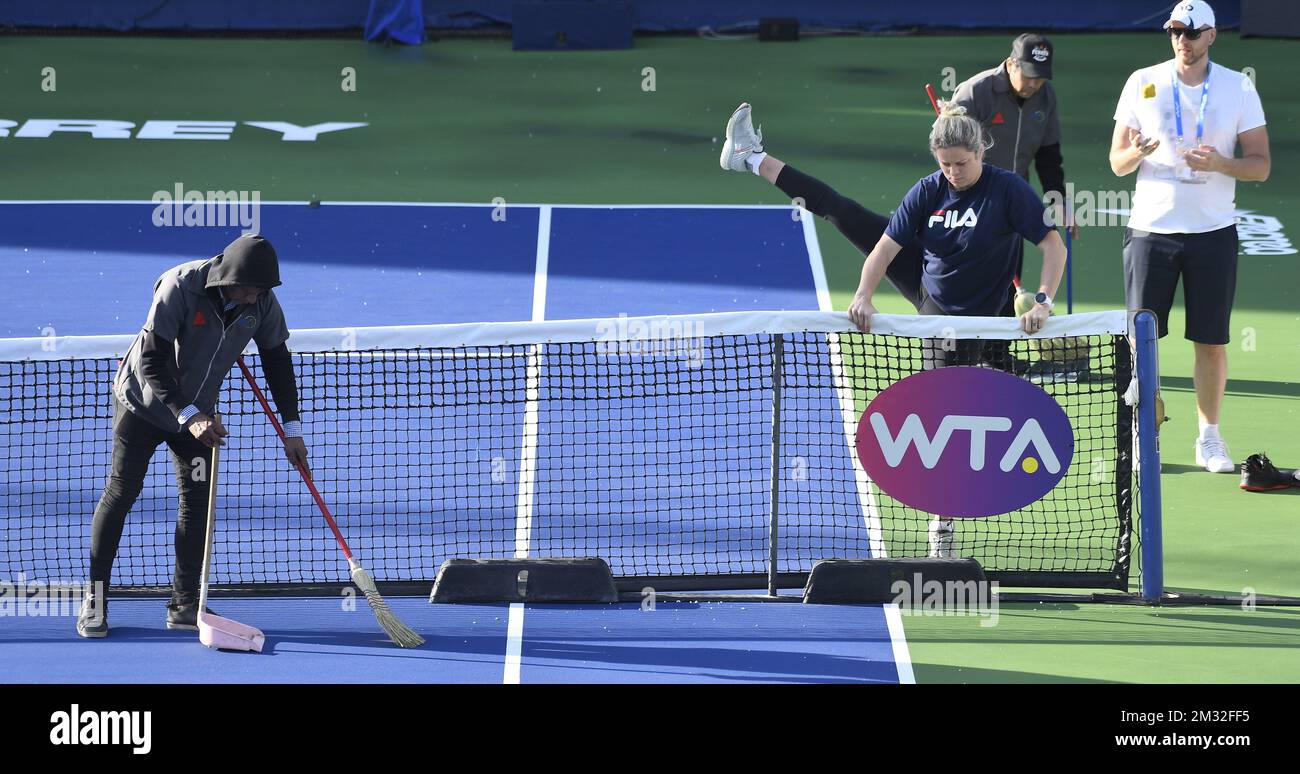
1034,53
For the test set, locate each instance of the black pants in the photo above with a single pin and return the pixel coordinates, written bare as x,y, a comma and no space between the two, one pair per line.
134,442
859,225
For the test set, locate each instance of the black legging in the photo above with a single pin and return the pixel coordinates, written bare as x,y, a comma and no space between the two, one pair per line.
134,442
859,225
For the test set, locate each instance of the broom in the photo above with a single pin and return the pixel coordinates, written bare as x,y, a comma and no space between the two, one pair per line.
397,631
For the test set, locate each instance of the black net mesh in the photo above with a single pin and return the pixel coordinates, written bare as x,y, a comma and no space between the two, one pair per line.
654,455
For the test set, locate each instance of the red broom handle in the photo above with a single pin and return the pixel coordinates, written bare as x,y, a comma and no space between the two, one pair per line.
320,501
934,103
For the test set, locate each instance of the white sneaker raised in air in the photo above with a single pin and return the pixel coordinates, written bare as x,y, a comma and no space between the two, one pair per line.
941,533
1212,454
742,140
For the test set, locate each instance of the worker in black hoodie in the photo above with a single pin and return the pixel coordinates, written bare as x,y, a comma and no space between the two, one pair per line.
203,315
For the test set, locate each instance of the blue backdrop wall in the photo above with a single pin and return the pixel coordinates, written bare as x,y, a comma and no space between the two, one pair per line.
649,15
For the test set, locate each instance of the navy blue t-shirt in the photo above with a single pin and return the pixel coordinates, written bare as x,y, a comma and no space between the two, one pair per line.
967,236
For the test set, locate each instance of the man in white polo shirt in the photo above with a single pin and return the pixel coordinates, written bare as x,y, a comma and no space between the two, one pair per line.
1178,124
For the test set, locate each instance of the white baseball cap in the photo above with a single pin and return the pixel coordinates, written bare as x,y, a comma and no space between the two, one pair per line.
1195,14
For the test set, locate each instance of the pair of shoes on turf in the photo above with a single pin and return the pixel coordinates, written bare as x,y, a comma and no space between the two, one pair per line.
184,615
1258,474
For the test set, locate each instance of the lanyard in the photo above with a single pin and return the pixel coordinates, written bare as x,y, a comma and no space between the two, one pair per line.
1178,105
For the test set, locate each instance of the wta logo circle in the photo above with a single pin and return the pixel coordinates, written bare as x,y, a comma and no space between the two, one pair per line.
963,441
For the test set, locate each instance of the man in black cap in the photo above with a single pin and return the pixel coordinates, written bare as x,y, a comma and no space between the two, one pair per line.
203,315
1017,106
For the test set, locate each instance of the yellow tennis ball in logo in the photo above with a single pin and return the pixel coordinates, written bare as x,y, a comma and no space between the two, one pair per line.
1030,465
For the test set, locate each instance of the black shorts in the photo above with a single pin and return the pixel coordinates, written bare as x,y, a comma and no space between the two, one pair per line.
1208,265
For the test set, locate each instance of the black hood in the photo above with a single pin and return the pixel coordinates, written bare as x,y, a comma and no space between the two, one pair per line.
249,260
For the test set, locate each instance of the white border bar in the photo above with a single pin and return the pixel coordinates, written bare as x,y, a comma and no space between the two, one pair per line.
486,205
608,329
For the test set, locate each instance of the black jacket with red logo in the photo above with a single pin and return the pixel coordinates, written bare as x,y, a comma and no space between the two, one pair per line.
1021,133
192,337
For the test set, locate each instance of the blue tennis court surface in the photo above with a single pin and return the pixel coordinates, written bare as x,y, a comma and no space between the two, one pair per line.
707,642
85,269
88,268
312,640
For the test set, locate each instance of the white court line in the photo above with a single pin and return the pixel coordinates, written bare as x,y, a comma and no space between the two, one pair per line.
528,447
815,259
514,643
528,457
866,496
897,639
541,271
848,411
528,442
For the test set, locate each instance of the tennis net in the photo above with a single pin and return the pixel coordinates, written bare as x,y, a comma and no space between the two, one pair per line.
649,442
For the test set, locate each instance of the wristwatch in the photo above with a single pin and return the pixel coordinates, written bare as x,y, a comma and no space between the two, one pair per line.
1044,299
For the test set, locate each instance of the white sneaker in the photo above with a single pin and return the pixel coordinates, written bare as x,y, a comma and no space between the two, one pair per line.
742,140
1212,453
941,539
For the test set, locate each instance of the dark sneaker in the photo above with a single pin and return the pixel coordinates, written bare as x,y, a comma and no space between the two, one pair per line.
1259,475
184,616
92,621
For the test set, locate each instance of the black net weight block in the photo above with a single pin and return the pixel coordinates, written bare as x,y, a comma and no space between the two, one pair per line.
881,581
524,580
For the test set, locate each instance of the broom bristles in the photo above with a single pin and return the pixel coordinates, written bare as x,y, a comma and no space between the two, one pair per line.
398,632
